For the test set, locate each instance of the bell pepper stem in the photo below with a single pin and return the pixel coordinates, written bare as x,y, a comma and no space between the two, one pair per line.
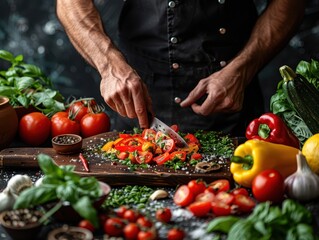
247,161
264,131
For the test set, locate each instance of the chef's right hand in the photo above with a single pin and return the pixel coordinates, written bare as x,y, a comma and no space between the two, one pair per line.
125,92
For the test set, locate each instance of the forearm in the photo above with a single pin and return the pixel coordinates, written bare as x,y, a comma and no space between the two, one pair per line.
271,32
84,28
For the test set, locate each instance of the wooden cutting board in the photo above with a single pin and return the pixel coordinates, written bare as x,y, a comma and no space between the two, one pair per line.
115,174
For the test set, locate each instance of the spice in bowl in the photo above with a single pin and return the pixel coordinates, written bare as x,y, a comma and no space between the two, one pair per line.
67,143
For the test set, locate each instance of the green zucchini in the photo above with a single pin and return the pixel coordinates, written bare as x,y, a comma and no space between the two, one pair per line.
302,96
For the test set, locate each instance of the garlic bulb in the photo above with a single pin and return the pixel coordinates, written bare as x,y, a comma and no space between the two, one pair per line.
18,183
7,200
303,185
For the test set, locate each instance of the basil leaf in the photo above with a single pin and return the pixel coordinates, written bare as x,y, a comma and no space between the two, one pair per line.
84,207
222,224
296,212
243,230
301,232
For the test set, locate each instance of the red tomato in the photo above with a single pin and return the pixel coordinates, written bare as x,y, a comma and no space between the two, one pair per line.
168,145
149,134
206,196
242,191
163,215
175,234
161,159
245,204
196,156
131,231
143,157
146,235
78,110
221,209
221,185
122,155
224,197
94,123
130,144
175,127
120,211
114,227
180,155
190,138
34,128
144,222
268,186
196,186
131,215
183,196
87,225
62,124
200,208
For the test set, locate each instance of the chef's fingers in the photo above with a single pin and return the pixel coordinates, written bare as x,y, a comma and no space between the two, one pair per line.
140,106
196,94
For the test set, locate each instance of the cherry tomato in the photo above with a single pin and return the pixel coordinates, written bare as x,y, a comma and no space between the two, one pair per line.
268,186
62,124
78,110
122,155
180,155
190,138
196,156
221,209
94,123
131,231
221,185
168,145
121,210
131,215
224,197
144,222
206,196
200,208
143,157
242,191
175,234
183,196
146,235
161,159
175,127
87,225
34,128
114,227
245,203
163,215
149,134
196,186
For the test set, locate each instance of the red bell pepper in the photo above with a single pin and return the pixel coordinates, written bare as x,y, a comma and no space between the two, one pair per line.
270,127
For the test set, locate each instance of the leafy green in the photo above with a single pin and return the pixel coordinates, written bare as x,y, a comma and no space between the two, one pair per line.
26,85
63,185
291,221
280,106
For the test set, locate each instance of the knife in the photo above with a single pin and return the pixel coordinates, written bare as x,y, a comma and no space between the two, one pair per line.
158,125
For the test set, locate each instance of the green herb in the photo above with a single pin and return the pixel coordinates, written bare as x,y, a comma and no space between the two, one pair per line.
26,85
292,221
128,195
63,185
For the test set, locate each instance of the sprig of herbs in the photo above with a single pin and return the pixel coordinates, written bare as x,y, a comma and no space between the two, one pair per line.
63,185
26,85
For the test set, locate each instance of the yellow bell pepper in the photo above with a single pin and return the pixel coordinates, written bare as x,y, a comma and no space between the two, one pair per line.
254,156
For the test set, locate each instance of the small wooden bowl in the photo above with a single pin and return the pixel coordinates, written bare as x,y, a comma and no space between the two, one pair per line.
67,143
30,228
70,231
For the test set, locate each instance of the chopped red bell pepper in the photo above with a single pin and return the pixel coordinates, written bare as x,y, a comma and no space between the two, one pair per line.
270,127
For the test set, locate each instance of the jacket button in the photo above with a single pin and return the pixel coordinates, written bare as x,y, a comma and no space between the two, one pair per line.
222,30
177,100
173,40
175,66
221,1
171,4
222,63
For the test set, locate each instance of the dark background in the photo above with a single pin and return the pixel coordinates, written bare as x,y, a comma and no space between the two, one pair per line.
31,28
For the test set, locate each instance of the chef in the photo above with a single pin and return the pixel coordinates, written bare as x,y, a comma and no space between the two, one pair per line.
188,62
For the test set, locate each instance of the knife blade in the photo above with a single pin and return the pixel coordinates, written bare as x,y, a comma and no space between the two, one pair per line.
158,125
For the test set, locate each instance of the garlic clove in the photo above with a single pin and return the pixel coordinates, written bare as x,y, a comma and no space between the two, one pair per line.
7,200
158,194
18,183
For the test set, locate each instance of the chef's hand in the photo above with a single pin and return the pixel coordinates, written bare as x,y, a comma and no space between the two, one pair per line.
224,92
124,91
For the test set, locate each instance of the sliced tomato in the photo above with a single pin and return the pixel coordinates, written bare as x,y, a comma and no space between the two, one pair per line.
175,127
245,203
200,209
161,159
196,156
224,197
180,155
197,186
122,155
242,191
183,196
168,145
221,185
205,197
221,209
130,144
149,134
160,136
190,138
144,157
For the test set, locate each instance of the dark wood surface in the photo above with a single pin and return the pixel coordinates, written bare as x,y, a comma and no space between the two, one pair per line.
105,170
